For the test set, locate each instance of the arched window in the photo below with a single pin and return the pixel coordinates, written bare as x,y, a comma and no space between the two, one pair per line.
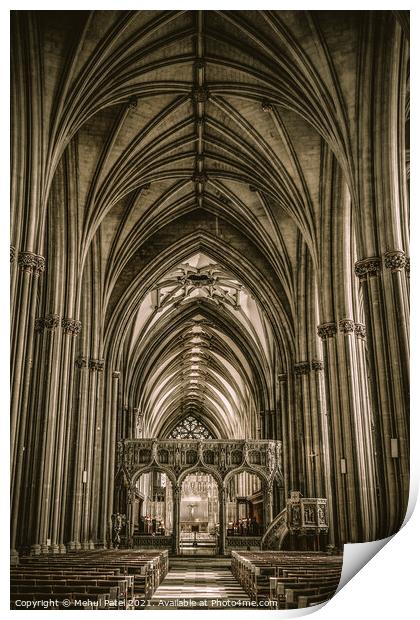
190,428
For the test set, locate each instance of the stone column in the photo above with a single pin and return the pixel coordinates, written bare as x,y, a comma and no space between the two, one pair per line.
383,283
79,480
287,469
381,205
44,460
222,520
30,267
347,419
366,431
71,328
303,431
130,515
324,447
176,525
320,440
95,366
25,282
97,462
268,505
110,463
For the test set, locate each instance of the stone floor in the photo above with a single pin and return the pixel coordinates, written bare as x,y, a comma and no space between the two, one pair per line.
199,583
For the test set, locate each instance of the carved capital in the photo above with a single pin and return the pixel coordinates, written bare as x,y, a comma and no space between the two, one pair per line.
200,94
97,365
407,266
360,330
283,377
346,326
266,106
71,327
116,374
395,260
368,267
81,362
39,325
51,321
302,368
12,253
327,330
31,263
317,365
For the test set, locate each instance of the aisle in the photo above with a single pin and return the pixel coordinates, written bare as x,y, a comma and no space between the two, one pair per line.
195,583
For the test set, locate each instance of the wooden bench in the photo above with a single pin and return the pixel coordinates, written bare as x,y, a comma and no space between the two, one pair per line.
283,576
108,576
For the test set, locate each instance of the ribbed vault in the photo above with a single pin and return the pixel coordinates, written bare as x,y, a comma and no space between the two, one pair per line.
215,202
200,345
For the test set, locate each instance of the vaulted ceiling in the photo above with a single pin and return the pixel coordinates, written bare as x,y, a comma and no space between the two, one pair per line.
192,144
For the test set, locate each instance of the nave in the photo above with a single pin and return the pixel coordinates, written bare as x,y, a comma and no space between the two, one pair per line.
210,280
200,583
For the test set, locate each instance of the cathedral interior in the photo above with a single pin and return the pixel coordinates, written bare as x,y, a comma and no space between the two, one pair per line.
209,295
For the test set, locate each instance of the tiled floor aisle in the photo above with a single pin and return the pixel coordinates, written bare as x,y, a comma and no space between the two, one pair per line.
198,579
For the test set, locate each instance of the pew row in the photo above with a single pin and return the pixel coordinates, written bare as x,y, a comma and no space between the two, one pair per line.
290,579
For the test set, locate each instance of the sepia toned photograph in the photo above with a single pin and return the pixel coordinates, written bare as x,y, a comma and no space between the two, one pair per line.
210,271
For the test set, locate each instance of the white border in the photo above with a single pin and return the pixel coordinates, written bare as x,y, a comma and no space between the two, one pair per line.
387,587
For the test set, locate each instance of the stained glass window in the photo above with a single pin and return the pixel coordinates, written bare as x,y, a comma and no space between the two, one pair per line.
190,428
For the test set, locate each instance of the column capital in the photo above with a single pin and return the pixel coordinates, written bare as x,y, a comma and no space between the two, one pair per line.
81,362
12,253
116,374
317,365
71,327
97,365
302,368
282,377
395,260
346,326
39,325
368,267
360,330
49,322
327,330
31,263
